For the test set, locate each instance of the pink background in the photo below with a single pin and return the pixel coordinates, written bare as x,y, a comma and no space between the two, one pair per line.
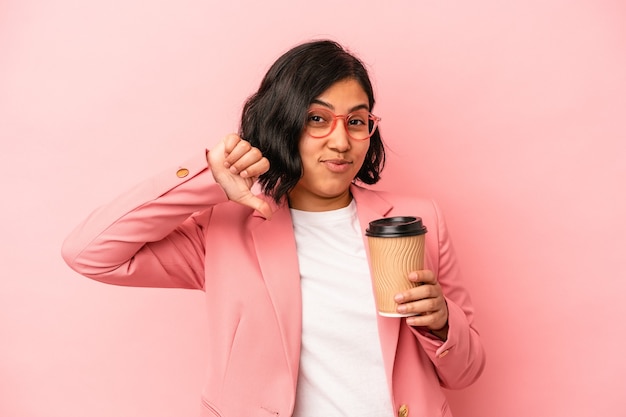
510,113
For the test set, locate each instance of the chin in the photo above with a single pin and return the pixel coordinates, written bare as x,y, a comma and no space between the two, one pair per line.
333,192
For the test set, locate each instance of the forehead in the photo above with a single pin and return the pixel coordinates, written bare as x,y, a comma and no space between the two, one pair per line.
344,92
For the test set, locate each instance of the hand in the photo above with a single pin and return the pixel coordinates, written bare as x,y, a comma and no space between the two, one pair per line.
236,165
427,302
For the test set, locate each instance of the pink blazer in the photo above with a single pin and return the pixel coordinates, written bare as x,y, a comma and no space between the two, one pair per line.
178,229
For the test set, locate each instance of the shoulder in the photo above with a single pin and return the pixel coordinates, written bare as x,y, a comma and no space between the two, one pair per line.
391,204
397,201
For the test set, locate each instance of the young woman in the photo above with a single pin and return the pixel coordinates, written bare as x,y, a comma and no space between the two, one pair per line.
292,318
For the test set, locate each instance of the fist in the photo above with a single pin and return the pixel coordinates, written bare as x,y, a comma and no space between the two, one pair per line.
236,165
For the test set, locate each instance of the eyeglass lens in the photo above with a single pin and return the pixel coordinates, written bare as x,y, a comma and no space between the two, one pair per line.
359,124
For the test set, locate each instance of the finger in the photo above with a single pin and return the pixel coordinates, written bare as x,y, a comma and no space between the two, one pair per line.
257,169
422,306
246,161
240,149
230,141
258,204
217,155
434,321
424,276
418,293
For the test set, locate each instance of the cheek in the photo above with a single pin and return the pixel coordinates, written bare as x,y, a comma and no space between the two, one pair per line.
364,150
309,149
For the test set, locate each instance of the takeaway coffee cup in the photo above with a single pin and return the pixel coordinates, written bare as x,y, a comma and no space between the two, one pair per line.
396,247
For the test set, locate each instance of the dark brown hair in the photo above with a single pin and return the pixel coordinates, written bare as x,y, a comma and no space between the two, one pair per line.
273,118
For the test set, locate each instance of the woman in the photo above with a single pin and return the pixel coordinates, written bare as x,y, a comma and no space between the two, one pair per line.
292,318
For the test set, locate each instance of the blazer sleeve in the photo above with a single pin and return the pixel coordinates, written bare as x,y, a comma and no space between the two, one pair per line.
459,360
152,235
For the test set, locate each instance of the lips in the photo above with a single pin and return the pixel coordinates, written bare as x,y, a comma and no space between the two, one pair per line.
337,165
336,161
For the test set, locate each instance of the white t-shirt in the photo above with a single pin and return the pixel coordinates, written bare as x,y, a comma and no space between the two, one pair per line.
341,365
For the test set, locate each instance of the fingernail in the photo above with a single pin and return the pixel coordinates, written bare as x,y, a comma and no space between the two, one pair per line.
226,164
233,169
398,298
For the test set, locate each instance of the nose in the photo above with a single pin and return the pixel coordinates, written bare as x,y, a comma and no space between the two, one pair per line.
339,140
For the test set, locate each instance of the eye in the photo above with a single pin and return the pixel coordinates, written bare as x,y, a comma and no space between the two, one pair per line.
318,118
358,119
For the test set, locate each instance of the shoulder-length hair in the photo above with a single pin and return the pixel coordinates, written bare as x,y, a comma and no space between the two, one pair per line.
274,118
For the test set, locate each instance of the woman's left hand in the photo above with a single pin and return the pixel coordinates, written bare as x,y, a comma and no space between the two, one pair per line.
426,302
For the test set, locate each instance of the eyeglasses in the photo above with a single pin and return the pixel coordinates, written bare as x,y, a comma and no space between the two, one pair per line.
360,124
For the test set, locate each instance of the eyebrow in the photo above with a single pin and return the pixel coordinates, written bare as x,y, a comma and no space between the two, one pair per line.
331,107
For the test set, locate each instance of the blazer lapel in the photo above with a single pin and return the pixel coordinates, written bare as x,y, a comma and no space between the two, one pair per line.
275,246
370,206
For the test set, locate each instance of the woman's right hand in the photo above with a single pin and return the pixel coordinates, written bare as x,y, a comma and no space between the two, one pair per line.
236,165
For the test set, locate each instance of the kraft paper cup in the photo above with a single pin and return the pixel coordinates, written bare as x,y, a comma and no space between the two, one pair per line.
396,246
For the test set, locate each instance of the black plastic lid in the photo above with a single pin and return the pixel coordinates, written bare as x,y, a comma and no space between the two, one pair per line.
396,227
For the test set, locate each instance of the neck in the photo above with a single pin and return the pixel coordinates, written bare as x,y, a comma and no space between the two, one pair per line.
317,203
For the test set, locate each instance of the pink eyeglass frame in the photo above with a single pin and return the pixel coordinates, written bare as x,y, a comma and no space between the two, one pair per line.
345,117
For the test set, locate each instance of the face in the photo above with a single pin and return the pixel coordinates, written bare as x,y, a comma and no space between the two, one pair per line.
331,163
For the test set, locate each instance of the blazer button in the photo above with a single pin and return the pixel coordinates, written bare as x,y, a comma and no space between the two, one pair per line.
403,411
182,173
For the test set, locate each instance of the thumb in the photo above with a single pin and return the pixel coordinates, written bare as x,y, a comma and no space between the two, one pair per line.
258,204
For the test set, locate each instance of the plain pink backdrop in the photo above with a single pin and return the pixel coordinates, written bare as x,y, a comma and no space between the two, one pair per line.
512,114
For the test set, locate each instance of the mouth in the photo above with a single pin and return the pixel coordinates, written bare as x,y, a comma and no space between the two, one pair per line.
336,161
337,165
